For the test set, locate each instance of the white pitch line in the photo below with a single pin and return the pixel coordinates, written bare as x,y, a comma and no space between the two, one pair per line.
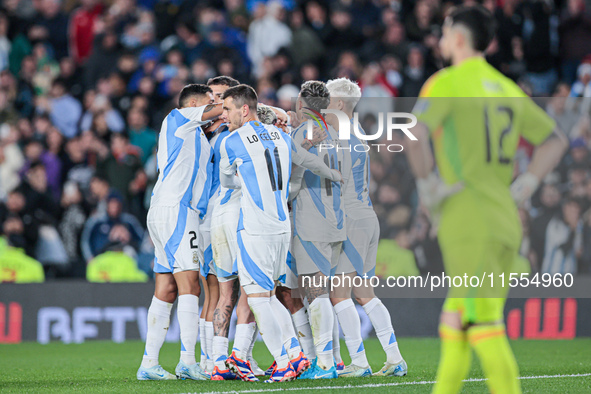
349,386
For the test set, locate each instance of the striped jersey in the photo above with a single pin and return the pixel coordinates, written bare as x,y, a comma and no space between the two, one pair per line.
319,209
356,175
184,161
216,188
261,156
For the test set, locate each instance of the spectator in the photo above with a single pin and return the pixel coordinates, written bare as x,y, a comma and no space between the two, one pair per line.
72,222
64,110
267,34
116,229
122,168
140,135
11,161
19,226
582,86
575,27
564,240
83,25
52,26
35,152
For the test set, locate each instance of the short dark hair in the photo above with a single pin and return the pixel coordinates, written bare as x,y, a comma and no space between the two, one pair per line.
315,94
243,94
194,89
479,21
223,80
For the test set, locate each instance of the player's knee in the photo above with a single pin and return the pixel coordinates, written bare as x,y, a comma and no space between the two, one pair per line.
451,319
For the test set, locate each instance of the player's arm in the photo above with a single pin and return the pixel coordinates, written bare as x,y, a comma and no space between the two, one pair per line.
545,158
303,158
228,176
295,181
431,113
539,129
203,114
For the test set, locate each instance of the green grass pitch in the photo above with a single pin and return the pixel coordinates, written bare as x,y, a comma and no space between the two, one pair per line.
107,367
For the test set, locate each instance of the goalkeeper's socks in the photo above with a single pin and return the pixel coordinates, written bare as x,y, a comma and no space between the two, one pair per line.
322,324
290,340
336,340
382,324
220,352
188,315
158,322
209,343
496,357
202,345
454,362
242,339
302,325
351,325
270,329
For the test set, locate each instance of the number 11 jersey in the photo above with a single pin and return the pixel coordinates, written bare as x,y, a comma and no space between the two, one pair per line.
261,157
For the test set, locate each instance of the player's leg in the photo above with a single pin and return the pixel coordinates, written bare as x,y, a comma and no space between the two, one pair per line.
489,340
480,321
182,246
299,316
188,317
228,295
158,322
223,243
290,295
290,341
213,290
246,333
314,265
350,323
368,230
256,269
165,293
202,337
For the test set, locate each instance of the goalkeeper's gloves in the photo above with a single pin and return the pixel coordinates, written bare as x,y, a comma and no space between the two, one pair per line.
433,191
524,187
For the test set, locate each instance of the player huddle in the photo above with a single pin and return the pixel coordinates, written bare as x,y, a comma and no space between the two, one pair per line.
247,202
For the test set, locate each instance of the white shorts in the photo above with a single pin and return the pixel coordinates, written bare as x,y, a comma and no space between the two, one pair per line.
175,234
290,278
207,266
312,256
224,245
360,249
261,260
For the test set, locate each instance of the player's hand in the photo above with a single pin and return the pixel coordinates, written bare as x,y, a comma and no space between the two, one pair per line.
524,187
318,135
337,176
433,191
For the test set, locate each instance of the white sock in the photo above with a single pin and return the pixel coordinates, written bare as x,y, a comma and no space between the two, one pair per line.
158,322
209,344
220,351
302,325
270,329
382,324
322,322
336,340
202,345
188,314
351,325
242,339
253,340
290,340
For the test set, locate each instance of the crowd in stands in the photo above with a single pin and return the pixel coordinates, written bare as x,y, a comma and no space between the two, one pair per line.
85,85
